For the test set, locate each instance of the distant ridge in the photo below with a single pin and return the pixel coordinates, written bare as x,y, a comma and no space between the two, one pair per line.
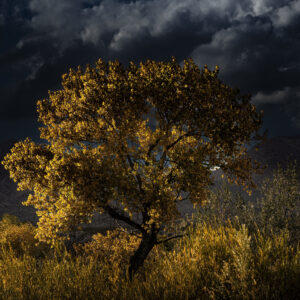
11,199
275,150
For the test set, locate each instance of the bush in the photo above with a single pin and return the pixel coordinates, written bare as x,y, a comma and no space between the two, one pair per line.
8,219
222,262
209,262
20,237
234,250
277,208
223,205
115,248
279,204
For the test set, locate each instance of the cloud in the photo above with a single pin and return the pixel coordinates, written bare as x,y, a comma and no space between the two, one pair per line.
255,42
272,98
240,49
34,64
120,28
109,22
286,14
117,23
260,7
285,103
58,20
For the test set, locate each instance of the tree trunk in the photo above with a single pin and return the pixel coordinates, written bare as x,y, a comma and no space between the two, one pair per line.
137,259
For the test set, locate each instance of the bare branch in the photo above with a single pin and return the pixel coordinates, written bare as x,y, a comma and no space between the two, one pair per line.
130,161
145,205
170,238
164,155
153,146
114,214
130,232
138,177
178,140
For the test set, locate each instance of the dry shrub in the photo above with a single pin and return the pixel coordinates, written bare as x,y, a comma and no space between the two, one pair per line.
20,237
277,206
223,262
280,202
114,247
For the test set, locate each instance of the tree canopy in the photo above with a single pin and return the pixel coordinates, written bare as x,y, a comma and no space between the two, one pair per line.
126,140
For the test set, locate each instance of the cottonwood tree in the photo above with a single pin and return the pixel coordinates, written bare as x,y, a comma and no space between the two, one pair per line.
130,140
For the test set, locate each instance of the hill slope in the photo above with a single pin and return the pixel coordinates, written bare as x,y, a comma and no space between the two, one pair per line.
275,150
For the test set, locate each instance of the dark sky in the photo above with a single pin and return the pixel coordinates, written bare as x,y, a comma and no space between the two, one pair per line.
256,44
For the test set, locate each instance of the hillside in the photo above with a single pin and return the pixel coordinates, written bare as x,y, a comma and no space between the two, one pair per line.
275,150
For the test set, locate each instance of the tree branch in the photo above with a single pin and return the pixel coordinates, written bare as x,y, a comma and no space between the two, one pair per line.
114,214
153,146
131,232
138,177
178,140
164,155
145,205
170,238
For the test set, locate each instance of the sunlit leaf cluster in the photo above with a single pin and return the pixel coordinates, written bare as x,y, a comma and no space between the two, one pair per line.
129,140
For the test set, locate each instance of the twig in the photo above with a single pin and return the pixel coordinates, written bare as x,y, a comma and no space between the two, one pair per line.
170,238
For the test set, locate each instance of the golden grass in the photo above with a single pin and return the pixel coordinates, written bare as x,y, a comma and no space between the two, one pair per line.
256,255
210,262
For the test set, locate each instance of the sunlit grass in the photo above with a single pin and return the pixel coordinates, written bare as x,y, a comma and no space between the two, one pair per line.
210,262
234,255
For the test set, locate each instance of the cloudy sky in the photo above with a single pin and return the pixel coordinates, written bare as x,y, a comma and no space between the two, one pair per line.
256,44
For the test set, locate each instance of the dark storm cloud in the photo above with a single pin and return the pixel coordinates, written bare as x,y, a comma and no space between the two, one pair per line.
255,43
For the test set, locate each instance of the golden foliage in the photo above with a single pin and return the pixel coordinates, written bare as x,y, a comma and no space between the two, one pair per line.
104,149
115,247
220,262
20,237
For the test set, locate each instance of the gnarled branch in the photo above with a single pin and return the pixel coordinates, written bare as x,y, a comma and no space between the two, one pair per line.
114,214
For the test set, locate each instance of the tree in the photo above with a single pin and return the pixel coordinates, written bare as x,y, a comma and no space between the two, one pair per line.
105,153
